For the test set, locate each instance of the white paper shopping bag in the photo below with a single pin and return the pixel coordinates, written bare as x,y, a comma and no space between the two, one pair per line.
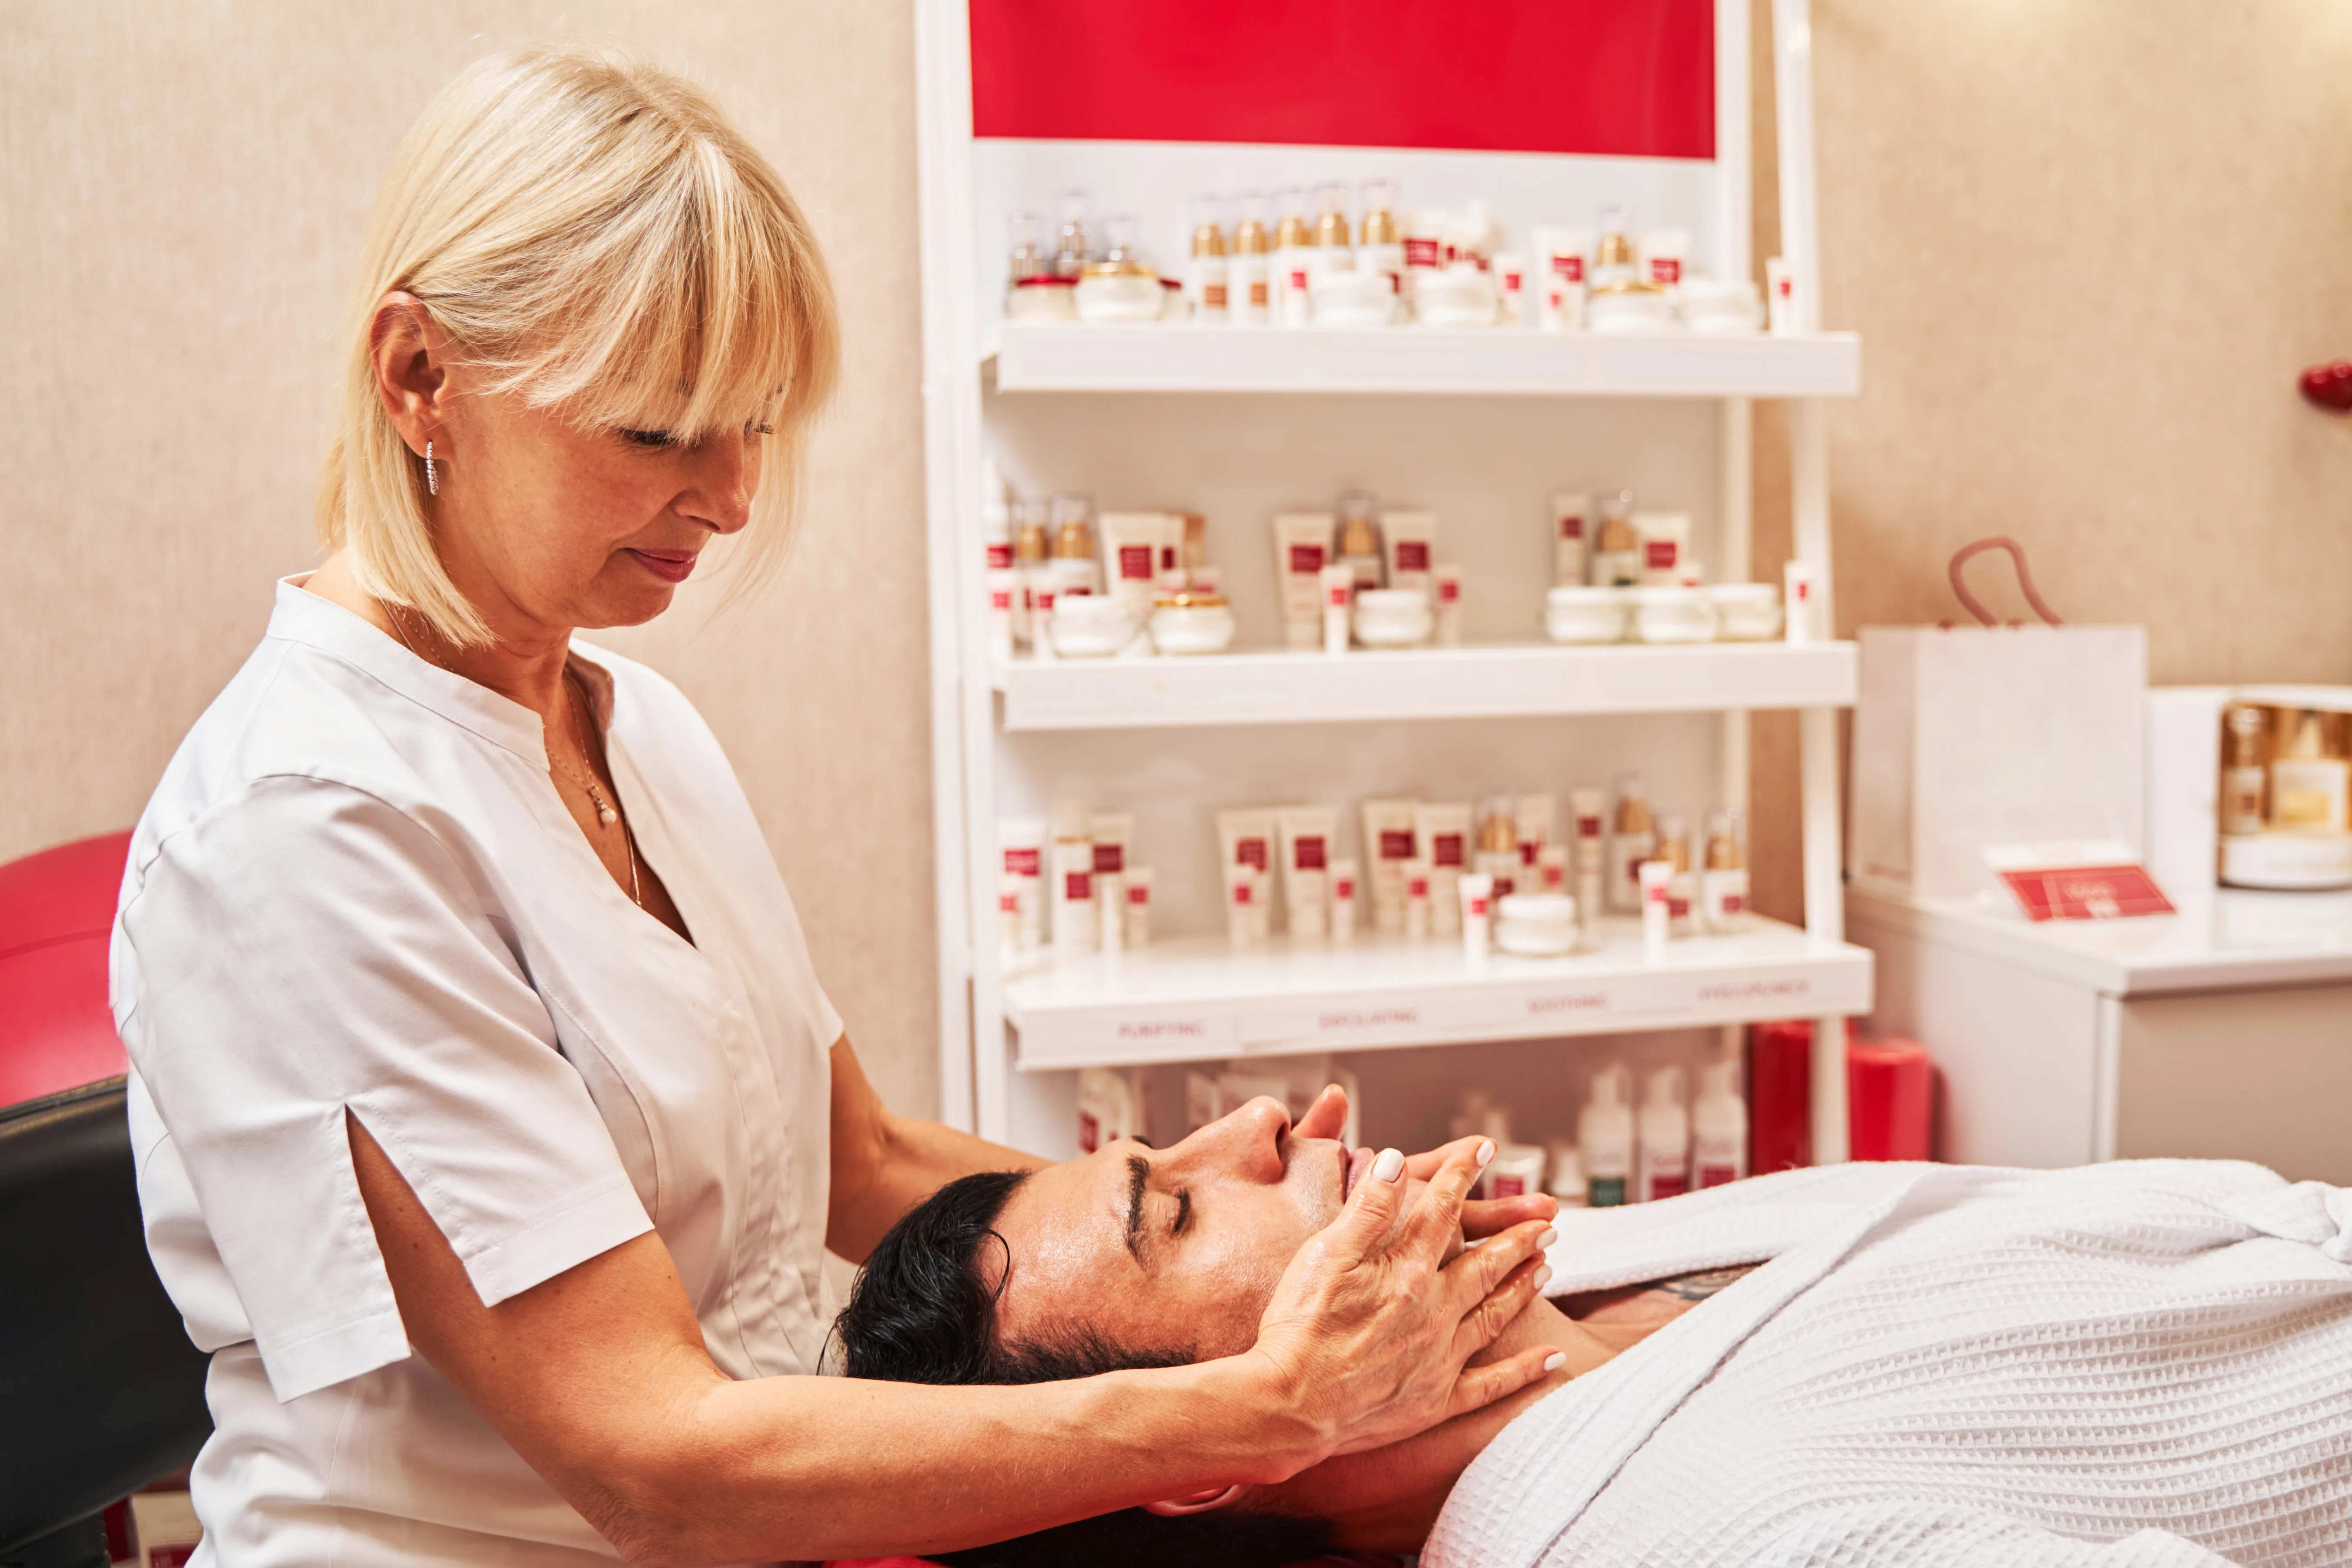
1968,737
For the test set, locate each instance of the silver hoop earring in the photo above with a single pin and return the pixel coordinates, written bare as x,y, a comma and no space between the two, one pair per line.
432,484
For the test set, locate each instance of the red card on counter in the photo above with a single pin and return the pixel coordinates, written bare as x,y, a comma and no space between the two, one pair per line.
2094,881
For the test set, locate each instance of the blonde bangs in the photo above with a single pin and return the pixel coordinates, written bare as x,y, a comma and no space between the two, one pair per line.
597,237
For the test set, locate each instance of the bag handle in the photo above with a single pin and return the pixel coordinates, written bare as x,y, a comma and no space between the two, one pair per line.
1975,606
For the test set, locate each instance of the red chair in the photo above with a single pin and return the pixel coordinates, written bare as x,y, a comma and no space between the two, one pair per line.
57,908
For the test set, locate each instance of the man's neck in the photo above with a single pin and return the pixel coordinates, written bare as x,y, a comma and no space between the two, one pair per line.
1410,1480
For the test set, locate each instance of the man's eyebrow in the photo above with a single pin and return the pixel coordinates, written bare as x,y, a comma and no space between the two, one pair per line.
1138,1171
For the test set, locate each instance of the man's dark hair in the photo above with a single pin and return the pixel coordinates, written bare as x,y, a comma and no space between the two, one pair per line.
923,1311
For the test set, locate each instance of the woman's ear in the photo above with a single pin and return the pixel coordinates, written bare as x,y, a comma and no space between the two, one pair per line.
1196,1502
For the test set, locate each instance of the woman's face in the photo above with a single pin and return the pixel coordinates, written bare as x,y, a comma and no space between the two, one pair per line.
546,525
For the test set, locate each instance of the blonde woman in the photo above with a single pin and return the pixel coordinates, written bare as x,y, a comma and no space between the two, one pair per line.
491,1120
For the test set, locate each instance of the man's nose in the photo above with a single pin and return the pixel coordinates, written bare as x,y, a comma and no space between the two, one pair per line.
1249,1142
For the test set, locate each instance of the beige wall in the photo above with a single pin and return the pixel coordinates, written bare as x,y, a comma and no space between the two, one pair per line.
2089,243
180,205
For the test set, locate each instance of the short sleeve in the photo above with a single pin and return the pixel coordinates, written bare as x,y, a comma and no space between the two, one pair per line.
305,953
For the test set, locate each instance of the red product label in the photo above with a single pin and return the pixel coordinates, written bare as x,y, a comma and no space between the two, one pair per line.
1077,887
1572,526
1528,848
1420,252
1168,558
1665,270
1512,283
1477,906
1677,909
1109,859
1245,892
1448,592
1716,1177
1250,852
1568,268
1089,1132
1733,903
1412,555
1008,903
1307,854
999,555
1134,563
1445,848
1021,862
1397,844
1298,280
1587,828
1041,601
1139,892
1658,554
1667,1185
2087,892
1508,1186
1786,287
1504,888
1000,599
1306,559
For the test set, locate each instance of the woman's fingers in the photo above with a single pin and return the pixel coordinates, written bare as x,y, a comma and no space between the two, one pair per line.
1492,1283
1479,1386
1489,1217
1435,1222
1364,1227
1327,1117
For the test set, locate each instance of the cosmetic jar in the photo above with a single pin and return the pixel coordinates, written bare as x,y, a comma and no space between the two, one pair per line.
1045,298
1351,299
2288,862
1720,308
1536,925
1392,617
1091,626
1629,308
1673,614
1192,622
1574,614
1119,291
1746,612
1460,296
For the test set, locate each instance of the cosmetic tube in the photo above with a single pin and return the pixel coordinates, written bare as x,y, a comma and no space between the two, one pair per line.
1076,929
1664,540
1294,258
1242,905
1511,289
1796,593
1443,829
1475,893
1561,253
1302,548
1551,870
1392,842
1590,809
1246,838
1662,1157
1338,595
1111,831
1569,510
1416,902
1139,905
1409,539
1632,838
1448,580
1307,834
1133,544
1022,842
1604,1133
1781,297
1665,252
1004,587
1657,880
1343,900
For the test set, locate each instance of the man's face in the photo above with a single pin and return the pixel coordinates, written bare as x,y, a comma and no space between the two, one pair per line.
1170,1248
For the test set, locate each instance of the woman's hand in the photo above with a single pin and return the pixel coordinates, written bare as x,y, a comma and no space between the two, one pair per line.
1367,1333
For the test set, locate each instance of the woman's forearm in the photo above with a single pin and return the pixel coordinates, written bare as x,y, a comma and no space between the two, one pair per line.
804,1467
883,1165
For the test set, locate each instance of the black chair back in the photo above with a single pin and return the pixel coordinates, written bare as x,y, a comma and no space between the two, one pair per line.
100,1390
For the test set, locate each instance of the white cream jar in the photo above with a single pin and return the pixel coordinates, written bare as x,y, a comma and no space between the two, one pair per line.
1629,308
1119,291
1460,296
1392,617
1351,299
1089,625
1673,614
1746,612
1575,615
1192,622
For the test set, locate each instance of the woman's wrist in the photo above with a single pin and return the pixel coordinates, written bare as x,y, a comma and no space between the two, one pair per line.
1260,1419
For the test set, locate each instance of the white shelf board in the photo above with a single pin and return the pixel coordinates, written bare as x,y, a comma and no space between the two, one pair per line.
2219,939
1177,356
1198,997
1283,687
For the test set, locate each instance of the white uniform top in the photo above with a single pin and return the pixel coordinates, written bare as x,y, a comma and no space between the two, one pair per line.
356,892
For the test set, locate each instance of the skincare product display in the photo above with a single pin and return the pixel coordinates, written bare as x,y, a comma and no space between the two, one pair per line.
1338,258
2285,797
1079,868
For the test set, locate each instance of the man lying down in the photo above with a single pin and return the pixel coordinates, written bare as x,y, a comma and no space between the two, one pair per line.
2130,1366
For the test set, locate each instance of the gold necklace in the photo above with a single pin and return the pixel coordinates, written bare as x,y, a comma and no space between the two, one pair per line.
607,813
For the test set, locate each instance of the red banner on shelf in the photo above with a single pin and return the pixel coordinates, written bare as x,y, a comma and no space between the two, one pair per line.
1617,78
2086,892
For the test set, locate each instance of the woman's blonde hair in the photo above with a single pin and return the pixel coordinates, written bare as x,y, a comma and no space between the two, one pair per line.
592,233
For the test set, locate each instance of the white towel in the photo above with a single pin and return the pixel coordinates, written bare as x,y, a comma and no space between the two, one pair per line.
2144,1364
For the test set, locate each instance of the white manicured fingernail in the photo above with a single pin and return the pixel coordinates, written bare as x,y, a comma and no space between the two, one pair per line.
1485,1153
1542,1275
1548,1237
1389,1164
1554,1362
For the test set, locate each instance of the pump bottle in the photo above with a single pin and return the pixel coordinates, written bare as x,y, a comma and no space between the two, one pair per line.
1294,258
1663,1165
1718,1126
1605,1135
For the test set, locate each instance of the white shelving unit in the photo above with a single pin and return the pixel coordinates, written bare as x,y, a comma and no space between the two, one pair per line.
1237,422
